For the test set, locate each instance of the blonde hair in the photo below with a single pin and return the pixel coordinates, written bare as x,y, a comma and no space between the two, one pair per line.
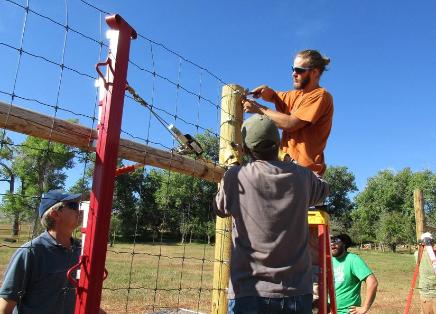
315,59
47,220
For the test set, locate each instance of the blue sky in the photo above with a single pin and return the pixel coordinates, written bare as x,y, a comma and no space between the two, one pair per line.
383,60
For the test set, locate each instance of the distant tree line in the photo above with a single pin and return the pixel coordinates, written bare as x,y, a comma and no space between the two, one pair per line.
384,211
153,203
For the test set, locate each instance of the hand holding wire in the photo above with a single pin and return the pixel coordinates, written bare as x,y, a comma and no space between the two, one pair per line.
257,92
251,106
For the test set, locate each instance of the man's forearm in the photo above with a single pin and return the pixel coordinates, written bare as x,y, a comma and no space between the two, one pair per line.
7,306
371,291
282,120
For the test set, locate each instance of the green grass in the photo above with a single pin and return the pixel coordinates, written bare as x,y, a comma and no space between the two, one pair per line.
394,272
159,277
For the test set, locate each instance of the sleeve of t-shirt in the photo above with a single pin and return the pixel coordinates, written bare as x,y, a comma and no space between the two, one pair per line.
17,275
280,103
359,268
319,189
313,107
220,201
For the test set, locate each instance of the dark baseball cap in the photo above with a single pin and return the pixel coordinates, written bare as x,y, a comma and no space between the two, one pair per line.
260,134
345,238
53,197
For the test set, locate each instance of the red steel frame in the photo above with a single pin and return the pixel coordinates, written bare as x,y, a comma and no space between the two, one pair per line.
326,285
414,278
325,279
92,261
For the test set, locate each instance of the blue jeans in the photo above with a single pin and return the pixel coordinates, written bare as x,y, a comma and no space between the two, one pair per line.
301,304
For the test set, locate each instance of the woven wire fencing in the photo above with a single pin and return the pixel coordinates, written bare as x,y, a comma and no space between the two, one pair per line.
160,252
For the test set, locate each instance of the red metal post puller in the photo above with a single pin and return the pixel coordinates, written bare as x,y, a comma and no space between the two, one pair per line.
414,278
319,222
94,254
322,263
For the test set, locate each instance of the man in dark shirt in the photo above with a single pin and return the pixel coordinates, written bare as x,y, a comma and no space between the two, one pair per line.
270,268
35,280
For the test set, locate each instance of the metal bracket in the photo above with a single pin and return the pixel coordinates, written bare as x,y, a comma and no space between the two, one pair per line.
108,63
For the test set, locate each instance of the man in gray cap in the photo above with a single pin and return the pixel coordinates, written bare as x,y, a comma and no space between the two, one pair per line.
35,280
270,268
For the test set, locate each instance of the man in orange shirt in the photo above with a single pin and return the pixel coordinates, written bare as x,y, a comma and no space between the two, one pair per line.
305,114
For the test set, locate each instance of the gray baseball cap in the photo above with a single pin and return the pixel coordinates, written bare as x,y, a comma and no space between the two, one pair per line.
260,134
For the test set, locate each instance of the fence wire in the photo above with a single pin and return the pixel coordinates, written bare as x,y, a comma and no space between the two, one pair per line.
160,255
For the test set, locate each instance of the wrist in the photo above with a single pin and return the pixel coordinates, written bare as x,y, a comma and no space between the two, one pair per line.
263,109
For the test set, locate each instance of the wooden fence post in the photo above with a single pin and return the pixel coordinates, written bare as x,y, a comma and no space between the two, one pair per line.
419,212
230,132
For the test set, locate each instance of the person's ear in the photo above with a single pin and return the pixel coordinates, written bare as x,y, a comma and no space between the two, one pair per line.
315,73
54,214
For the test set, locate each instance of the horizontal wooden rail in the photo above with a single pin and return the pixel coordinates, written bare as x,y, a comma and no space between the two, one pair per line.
32,123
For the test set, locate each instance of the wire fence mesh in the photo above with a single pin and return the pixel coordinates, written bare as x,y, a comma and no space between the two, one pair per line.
160,254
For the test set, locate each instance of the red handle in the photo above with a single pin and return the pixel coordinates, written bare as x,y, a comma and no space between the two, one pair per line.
100,74
70,277
70,271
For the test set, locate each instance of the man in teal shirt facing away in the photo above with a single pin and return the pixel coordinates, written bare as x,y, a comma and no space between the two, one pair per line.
349,272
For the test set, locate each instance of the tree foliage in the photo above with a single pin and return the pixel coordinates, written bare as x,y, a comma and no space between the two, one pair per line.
384,209
39,165
152,202
342,184
161,202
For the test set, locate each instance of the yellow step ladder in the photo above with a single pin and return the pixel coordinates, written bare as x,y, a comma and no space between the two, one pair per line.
320,237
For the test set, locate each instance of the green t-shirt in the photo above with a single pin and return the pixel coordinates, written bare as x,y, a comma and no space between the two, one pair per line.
349,272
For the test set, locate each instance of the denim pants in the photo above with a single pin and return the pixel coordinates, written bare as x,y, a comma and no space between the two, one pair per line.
301,304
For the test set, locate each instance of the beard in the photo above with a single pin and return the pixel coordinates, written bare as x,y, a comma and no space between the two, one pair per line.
302,84
338,252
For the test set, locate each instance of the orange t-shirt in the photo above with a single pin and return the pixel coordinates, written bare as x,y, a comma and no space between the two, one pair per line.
307,144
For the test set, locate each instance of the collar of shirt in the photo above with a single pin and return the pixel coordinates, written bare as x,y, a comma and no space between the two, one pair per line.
52,241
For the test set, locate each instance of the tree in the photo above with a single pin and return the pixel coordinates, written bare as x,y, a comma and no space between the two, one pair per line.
10,203
184,228
114,228
208,229
184,201
426,181
195,228
125,200
40,166
384,210
210,144
392,228
147,203
342,183
162,201
181,198
84,184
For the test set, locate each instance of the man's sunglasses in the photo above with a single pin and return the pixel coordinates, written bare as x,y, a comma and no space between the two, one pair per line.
335,240
300,70
72,205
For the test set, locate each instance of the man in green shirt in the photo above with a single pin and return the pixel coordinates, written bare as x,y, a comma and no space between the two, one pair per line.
349,272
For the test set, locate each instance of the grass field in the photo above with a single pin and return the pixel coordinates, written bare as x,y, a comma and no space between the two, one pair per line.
158,277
